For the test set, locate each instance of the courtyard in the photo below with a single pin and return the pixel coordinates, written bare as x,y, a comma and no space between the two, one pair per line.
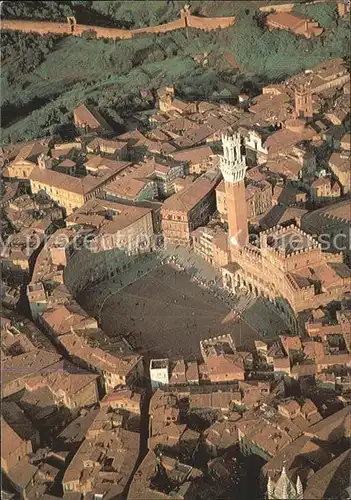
165,313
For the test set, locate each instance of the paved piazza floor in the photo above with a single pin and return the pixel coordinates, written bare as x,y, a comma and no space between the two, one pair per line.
166,314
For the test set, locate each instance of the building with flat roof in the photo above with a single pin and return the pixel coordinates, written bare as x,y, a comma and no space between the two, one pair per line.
159,373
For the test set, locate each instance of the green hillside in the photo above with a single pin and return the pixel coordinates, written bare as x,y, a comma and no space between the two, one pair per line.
44,78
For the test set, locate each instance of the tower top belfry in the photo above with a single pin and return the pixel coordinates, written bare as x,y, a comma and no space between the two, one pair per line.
233,162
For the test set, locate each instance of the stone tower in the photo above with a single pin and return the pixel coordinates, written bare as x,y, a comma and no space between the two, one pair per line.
233,168
284,488
303,103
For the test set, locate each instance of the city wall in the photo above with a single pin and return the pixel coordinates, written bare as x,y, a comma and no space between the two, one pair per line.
188,21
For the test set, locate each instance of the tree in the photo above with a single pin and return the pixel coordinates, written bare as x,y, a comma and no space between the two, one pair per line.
51,11
324,13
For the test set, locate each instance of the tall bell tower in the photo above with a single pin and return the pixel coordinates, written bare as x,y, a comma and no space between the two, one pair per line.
233,168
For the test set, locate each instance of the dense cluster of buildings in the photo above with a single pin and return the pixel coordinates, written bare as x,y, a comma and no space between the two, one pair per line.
258,418
271,213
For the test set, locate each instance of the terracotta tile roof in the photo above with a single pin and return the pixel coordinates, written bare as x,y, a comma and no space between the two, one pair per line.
285,138
290,406
193,155
194,136
341,161
125,187
180,105
188,198
10,441
346,140
304,369
324,273
265,435
319,75
281,363
88,464
57,153
100,163
61,320
339,211
158,135
192,372
290,343
200,400
89,116
308,407
107,216
98,358
313,350
82,186
140,485
335,359
132,137
67,163
178,373
57,180
27,364
106,145
63,376
222,434
22,474
253,188
122,395
31,151
286,20
336,472
271,108
183,182
338,420
179,124
222,400
224,364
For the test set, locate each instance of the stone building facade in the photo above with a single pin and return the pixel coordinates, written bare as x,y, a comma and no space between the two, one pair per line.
285,265
212,245
325,189
190,208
